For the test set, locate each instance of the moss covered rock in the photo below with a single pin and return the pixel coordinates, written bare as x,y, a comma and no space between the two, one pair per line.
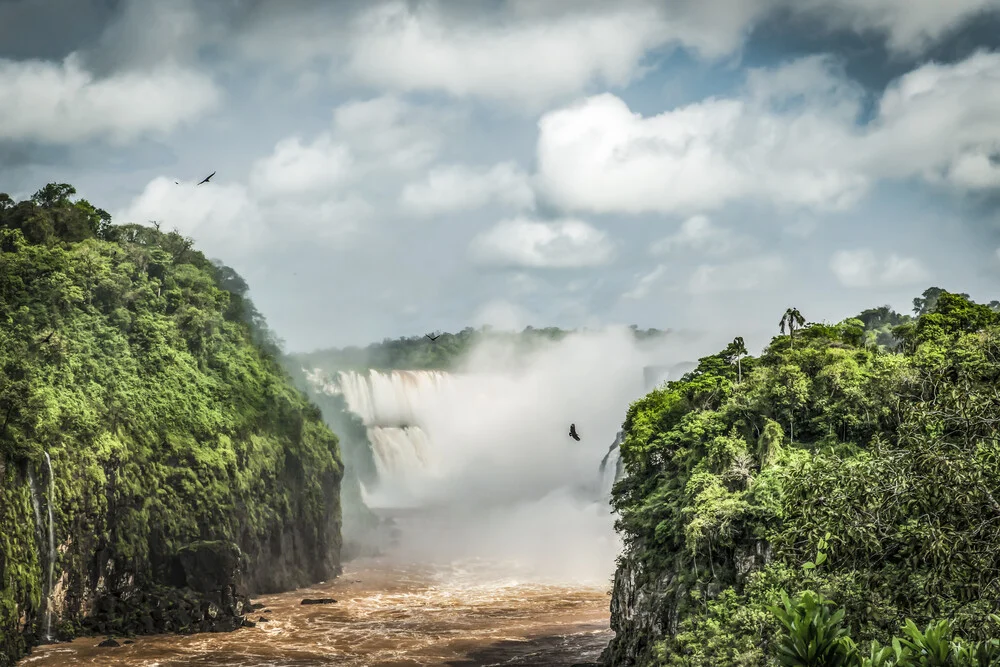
858,460
186,470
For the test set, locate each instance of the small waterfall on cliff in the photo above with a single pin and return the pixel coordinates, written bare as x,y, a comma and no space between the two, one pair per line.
50,543
52,551
36,503
611,467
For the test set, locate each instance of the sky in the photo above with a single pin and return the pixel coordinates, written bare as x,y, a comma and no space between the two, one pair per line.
394,168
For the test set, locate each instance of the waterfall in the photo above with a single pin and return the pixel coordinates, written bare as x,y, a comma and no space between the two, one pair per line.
50,543
37,505
396,398
52,551
395,406
610,474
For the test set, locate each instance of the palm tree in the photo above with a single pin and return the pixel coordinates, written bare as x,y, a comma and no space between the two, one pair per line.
792,319
739,349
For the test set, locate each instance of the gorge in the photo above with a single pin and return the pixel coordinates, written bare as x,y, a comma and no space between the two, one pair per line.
159,466
502,530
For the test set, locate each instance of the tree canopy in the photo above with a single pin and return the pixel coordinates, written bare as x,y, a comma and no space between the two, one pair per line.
860,461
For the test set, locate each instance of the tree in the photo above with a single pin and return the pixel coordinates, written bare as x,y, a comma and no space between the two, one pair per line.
926,302
792,319
53,194
740,350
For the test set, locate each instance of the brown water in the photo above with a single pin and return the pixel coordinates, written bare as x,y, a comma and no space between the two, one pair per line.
470,613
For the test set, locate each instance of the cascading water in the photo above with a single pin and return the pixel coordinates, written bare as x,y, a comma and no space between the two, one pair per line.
36,504
50,543
611,469
394,406
52,551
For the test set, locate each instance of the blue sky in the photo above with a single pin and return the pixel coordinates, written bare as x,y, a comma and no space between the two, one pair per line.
390,168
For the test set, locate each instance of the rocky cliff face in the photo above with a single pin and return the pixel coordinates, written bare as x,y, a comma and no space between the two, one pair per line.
111,575
186,471
640,614
647,607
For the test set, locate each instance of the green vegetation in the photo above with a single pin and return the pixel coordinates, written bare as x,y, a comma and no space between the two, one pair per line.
814,636
859,461
420,353
145,372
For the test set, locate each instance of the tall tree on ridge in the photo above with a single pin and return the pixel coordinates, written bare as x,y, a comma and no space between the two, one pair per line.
792,319
740,350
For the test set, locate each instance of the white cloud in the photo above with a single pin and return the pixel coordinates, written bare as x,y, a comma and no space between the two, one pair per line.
529,243
700,233
303,189
64,103
741,275
535,53
790,139
599,156
939,122
530,60
460,187
862,268
294,168
231,219
393,132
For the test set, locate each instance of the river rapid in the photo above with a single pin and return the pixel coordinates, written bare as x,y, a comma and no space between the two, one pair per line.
405,607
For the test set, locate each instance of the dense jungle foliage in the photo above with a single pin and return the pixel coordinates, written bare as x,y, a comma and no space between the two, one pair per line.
144,371
859,461
422,353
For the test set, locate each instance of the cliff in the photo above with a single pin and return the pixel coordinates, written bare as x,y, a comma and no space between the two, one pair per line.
858,460
186,470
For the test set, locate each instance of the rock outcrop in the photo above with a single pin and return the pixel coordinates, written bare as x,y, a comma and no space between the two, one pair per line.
187,472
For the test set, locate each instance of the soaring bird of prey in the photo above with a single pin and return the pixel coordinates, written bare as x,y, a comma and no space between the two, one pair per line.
207,178
433,338
572,432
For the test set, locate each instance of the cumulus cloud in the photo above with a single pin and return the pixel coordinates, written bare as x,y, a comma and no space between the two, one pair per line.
64,103
938,122
308,187
461,187
522,57
394,132
790,138
862,268
534,53
295,168
738,276
699,233
522,242
234,220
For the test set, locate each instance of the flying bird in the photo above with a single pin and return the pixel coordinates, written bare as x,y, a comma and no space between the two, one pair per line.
433,338
572,432
207,178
